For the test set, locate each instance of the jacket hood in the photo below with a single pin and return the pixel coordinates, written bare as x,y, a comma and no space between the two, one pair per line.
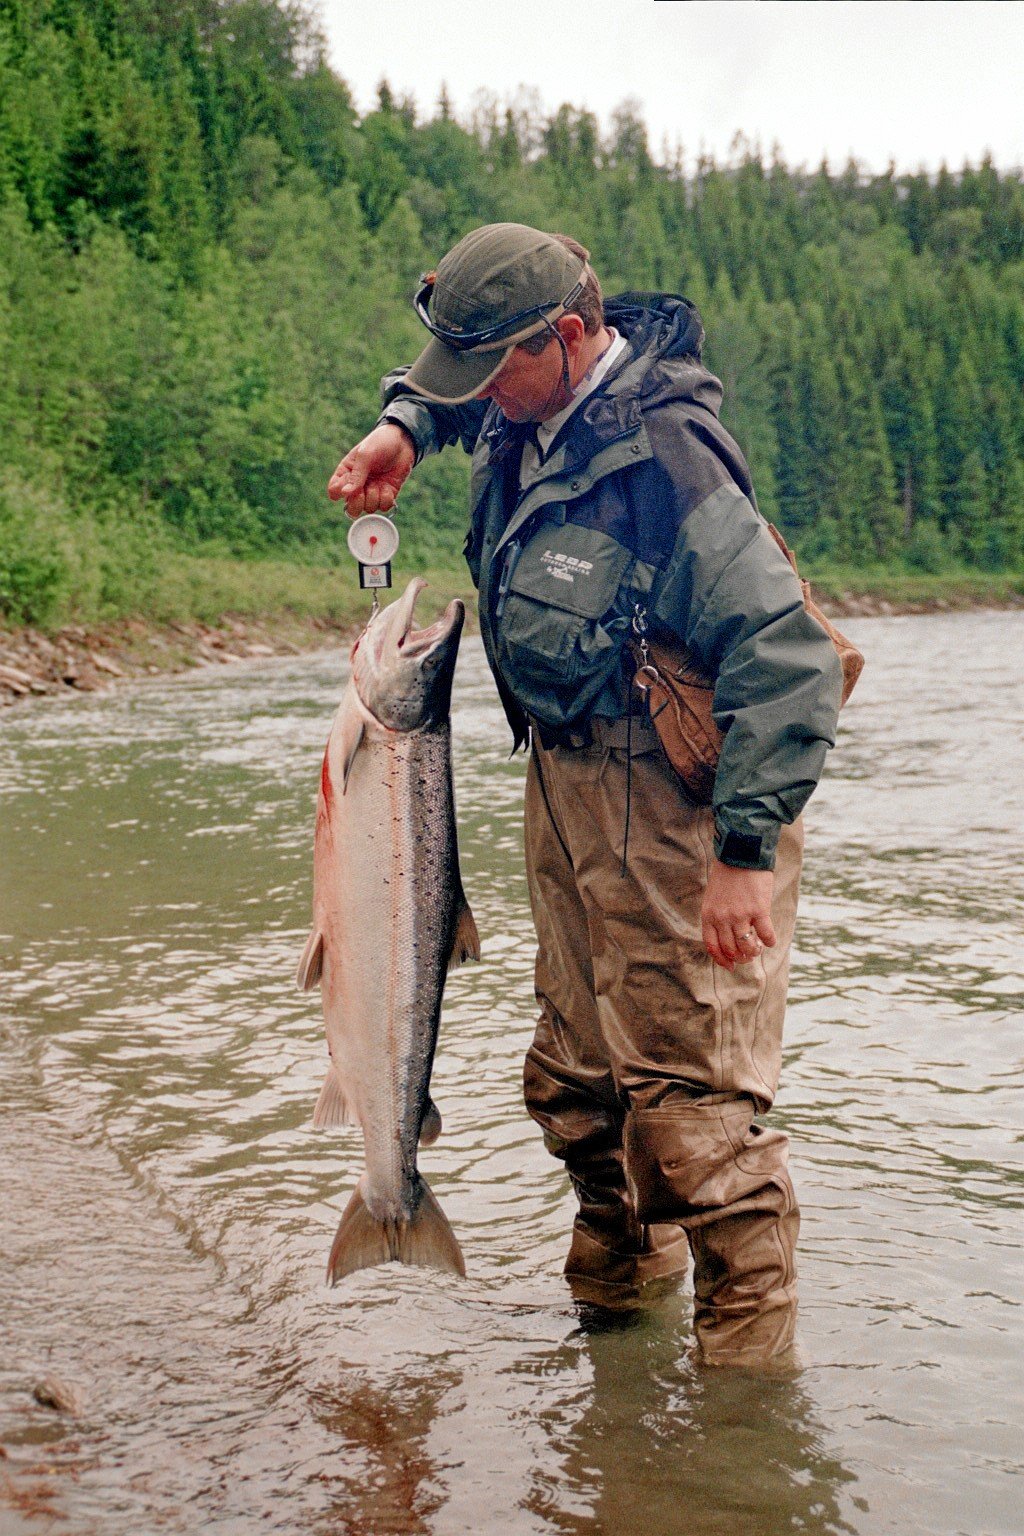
666,338
666,322
661,364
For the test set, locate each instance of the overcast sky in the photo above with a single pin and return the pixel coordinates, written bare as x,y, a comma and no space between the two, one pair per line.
916,81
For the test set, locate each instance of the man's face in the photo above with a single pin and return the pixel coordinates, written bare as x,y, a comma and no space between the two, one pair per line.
529,386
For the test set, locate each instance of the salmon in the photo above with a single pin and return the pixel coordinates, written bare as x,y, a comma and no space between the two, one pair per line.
389,918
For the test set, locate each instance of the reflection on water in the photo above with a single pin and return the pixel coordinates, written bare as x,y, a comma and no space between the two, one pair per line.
167,1209
653,1439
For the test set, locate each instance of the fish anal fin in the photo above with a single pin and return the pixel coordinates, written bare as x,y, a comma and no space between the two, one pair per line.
430,1125
466,939
332,1108
312,963
362,1241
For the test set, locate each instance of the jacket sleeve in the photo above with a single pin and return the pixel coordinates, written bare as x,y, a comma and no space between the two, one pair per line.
430,425
732,597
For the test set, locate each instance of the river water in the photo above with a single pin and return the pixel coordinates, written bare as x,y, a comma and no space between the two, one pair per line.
167,1209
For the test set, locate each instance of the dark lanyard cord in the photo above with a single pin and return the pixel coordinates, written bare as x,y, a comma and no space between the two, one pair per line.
629,777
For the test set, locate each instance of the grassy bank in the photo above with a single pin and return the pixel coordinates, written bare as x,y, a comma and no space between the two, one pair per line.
210,589
206,611
214,610
880,589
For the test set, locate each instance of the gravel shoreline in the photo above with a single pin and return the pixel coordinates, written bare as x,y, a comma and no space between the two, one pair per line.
78,659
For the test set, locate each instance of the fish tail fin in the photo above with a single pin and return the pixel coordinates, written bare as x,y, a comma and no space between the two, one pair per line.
428,1239
362,1241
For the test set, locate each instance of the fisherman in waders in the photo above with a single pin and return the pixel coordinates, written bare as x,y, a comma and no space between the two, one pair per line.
605,490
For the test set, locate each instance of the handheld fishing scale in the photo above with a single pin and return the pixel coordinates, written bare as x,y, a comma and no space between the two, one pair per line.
373,543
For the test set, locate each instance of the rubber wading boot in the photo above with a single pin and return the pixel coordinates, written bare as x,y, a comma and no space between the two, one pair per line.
614,1277
613,1256
706,1164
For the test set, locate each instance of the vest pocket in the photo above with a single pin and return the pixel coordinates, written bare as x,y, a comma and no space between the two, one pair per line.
563,614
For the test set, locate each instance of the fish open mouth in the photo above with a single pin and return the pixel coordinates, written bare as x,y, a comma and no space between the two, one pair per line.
402,674
418,642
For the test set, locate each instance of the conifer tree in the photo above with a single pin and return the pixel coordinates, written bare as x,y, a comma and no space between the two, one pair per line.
869,524
794,466
206,256
910,425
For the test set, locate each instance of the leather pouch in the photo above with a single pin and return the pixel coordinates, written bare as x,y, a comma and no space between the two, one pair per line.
680,694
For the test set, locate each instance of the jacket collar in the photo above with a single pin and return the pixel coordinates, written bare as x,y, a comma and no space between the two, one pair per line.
659,328
612,411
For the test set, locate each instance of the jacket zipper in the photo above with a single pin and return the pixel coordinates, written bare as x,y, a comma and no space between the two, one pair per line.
513,550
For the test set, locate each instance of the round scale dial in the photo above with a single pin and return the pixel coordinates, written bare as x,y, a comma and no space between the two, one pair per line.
373,539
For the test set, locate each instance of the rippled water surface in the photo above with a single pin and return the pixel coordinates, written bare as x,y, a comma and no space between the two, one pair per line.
167,1209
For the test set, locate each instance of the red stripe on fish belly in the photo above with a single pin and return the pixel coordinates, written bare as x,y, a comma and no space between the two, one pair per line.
325,783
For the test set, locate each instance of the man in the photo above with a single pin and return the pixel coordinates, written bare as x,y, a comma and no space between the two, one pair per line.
606,496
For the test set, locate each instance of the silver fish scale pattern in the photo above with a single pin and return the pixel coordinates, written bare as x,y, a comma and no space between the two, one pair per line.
433,887
396,869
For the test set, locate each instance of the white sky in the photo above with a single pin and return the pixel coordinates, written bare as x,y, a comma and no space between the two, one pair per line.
917,81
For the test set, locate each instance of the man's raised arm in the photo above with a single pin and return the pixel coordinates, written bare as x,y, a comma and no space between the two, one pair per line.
372,473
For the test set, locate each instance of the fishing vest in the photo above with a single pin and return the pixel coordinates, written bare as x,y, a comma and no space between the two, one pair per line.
559,583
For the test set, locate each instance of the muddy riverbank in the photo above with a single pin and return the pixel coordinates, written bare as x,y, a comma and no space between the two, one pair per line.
85,659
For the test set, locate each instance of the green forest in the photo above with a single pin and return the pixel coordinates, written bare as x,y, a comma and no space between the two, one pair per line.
206,262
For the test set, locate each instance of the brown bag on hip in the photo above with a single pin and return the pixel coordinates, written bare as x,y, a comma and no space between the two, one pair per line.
679,695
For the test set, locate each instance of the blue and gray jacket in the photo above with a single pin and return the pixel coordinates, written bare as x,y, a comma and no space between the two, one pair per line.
644,502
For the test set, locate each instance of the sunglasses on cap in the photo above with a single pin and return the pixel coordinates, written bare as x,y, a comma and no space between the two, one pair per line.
469,341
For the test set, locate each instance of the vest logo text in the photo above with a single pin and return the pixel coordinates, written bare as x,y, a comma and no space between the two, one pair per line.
565,567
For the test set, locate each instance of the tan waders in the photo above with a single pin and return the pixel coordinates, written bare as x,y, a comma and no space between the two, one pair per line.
649,1061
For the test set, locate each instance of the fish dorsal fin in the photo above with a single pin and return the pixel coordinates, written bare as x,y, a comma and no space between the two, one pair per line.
466,939
312,963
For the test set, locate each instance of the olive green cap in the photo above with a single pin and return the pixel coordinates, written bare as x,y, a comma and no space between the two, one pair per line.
496,275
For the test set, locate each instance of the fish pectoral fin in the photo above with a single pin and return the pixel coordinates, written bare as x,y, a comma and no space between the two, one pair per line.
425,1239
430,1125
466,941
352,729
312,963
332,1107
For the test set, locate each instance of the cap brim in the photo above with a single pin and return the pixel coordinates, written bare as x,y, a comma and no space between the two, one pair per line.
451,378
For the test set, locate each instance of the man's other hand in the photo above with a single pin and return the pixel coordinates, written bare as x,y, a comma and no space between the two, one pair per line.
736,917
371,475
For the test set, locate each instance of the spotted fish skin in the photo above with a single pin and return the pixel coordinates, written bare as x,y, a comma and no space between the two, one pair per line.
389,917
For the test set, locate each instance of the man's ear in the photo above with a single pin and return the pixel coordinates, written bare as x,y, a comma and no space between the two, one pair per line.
572,329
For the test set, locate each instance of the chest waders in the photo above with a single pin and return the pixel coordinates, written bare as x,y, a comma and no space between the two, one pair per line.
648,1062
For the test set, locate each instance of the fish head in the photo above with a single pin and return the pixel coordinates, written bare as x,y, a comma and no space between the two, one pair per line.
403,675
